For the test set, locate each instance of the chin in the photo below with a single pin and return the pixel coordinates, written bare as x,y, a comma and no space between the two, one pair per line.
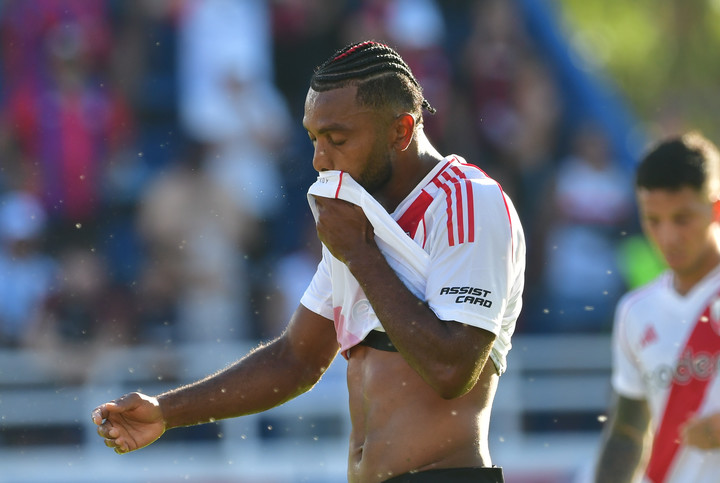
675,265
681,267
374,187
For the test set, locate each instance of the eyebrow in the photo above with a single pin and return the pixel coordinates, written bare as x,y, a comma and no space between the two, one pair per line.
330,128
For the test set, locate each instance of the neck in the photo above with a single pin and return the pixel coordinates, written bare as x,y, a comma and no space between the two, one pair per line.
684,282
411,166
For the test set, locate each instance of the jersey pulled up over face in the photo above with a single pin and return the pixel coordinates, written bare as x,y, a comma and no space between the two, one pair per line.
473,236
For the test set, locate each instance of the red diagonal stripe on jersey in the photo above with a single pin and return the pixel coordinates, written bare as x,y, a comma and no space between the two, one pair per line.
410,220
507,208
448,202
459,212
470,202
470,210
683,401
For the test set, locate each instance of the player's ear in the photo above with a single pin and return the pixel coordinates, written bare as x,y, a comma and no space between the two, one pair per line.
403,131
716,210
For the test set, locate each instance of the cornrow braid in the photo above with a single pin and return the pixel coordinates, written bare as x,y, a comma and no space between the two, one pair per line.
366,64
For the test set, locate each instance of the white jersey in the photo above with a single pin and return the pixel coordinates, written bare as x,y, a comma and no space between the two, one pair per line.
666,350
473,236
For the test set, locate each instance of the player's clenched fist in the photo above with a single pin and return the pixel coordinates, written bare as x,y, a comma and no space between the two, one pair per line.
344,229
703,433
130,422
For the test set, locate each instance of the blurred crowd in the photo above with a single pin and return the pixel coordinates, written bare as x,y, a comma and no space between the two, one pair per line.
154,167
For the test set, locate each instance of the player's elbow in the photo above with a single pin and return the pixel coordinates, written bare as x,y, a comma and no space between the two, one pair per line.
455,392
454,371
452,382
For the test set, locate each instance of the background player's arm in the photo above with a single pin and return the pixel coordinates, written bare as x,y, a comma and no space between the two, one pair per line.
623,442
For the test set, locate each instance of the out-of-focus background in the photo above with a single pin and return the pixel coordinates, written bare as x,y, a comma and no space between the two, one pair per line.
154,226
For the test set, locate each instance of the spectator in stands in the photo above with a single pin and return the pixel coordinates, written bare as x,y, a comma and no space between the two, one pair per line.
416,28
28,277
228,101
290,274
301,31
66,127
590,206
491,57
441,350
86,314
508,108
666,338
195,236
26,27
144,62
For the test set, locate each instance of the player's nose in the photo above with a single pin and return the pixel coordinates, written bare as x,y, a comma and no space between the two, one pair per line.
321,161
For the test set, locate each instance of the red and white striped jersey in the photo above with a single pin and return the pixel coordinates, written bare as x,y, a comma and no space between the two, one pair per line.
666,350
472,233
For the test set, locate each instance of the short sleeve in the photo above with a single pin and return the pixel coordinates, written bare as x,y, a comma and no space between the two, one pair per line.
626,375
318,295
476,279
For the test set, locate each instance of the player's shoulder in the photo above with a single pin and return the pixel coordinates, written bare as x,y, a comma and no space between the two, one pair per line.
458,168
459,176
468,204
645,297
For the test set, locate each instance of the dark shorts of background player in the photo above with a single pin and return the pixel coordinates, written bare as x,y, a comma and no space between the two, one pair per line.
452,475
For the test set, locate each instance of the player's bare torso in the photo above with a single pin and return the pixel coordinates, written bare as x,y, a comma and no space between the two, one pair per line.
400,424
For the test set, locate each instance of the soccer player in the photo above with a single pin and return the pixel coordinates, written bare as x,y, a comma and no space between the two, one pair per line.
421,386
666,337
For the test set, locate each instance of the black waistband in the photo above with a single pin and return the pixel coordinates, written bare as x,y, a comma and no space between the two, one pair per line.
379,340
455,475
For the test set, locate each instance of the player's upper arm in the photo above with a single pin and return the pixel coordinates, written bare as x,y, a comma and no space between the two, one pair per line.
477,263
311,339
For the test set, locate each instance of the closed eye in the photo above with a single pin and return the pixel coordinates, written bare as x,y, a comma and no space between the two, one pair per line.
331,140
333,134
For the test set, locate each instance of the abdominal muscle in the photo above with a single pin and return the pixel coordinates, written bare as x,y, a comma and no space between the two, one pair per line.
399,424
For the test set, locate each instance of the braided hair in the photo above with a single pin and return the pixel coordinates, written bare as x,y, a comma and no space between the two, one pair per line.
382,77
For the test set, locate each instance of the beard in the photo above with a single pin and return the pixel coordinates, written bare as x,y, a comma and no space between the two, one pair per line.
377,172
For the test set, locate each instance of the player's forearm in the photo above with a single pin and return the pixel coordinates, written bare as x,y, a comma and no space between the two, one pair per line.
439,351
263,379
619,460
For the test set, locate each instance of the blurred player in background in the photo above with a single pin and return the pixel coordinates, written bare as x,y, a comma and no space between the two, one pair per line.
666,341
421,383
